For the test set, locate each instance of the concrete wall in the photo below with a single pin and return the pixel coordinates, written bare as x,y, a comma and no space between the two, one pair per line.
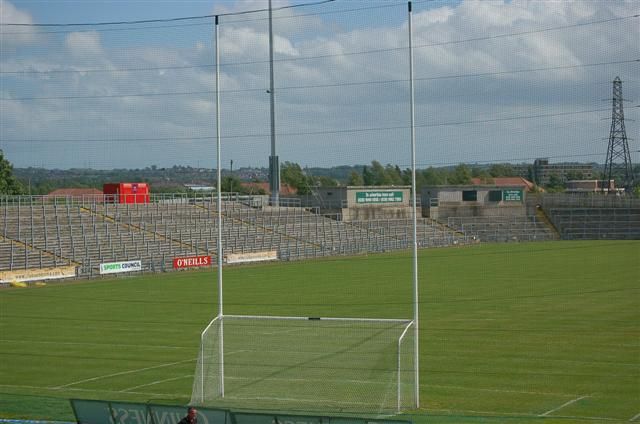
370,213
366,202
447,201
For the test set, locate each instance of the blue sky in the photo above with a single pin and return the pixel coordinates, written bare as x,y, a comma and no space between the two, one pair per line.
495,81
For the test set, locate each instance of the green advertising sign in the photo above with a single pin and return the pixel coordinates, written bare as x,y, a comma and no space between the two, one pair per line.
376,197
105,412
512,195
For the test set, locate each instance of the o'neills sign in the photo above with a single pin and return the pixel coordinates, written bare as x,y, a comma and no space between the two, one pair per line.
191,261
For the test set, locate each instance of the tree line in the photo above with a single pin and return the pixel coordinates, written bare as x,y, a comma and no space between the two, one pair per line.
39,181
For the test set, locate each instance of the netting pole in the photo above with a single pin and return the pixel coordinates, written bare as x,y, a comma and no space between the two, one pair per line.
415,217
219,200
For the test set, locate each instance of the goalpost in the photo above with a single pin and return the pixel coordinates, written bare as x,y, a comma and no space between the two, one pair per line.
307,363
346,364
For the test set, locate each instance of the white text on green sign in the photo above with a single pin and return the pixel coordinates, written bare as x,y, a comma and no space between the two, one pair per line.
378,197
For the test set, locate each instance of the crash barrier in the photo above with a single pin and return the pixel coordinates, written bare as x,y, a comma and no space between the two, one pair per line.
107,412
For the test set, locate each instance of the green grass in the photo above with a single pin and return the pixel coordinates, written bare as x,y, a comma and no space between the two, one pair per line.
508,332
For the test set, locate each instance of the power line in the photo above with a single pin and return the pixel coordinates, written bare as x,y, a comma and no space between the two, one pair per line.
182,67
299,87
221,23
324,132
392,49
148,21
332,12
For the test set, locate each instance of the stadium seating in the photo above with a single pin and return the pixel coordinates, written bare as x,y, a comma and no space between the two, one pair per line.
503,228
38,232
596,223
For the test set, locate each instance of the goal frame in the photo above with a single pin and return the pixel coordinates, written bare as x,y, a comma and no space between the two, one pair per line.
415,321
408,325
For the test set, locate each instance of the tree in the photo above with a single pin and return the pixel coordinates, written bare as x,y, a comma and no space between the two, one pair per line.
555,183
433,177
501,170
367,177
461,175
355,179
482,174
292,174
393,174
324,181
379,174
231,184
8,182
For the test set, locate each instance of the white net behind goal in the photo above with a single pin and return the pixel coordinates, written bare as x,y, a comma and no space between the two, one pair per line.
295,363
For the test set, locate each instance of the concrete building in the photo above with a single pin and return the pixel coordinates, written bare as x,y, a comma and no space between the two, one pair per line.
442,202
543,171
365,202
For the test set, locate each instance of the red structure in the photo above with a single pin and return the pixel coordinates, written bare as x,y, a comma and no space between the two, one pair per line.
126,192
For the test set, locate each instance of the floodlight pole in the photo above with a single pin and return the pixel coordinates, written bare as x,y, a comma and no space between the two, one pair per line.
274,161
415,217
219,206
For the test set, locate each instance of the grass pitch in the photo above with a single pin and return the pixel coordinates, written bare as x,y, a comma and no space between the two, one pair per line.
542,332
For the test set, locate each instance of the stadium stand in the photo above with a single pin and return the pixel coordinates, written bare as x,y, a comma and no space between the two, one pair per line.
40,232
503,228
596,223
594,217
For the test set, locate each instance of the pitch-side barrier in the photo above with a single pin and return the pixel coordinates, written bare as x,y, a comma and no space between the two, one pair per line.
107,412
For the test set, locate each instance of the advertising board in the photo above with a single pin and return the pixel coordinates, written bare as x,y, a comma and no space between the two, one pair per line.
106,412
376,197
118,267
512,195
191,261
235,258
38,274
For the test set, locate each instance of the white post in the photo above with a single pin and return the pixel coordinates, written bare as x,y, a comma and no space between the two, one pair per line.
219,200
415,217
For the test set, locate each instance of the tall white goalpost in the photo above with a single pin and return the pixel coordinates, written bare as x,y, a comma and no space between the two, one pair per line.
310,363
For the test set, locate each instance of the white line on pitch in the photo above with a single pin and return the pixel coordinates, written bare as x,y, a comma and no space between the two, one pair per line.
635,417
157,382
479,389
122,373
92,344
563,405
74,389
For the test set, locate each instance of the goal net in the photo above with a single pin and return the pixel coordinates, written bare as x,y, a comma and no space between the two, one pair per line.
301,363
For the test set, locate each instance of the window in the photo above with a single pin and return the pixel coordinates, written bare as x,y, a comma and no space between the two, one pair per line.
495,195
469,196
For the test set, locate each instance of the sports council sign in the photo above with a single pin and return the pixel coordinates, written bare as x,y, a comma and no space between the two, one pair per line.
117,267
377,197
191,261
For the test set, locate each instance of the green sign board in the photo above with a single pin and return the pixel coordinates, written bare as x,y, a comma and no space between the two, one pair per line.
512,195
376,197
106,412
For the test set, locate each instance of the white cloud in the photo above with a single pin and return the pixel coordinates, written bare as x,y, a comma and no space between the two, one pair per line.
83,44
335,72
13,36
